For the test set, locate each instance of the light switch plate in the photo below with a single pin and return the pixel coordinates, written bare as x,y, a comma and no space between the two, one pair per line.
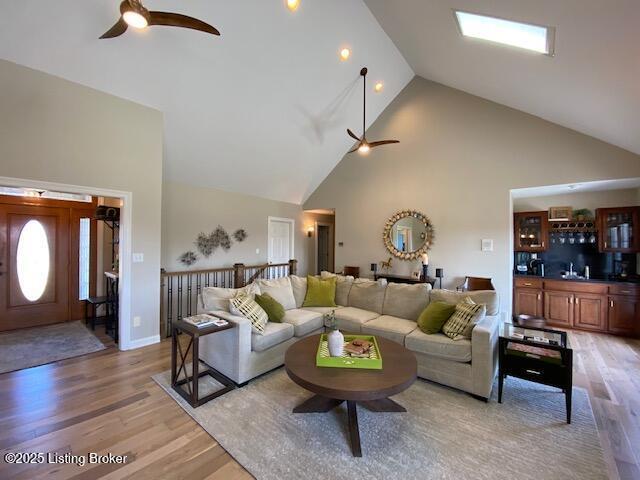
138,257
487,245
136,321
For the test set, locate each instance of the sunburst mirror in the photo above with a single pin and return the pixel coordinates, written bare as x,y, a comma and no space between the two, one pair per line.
408,234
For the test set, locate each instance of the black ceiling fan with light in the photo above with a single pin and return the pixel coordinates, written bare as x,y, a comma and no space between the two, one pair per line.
133,13
364,146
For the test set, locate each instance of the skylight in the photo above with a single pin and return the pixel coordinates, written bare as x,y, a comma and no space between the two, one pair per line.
536,38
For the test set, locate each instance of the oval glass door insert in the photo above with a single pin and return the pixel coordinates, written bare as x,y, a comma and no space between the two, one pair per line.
32,260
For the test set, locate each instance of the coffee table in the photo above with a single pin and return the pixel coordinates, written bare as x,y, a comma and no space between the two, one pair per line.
370,389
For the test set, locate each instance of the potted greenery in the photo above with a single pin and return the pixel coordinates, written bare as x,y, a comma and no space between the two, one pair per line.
582,214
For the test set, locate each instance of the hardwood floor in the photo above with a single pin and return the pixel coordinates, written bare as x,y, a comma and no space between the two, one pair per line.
107,402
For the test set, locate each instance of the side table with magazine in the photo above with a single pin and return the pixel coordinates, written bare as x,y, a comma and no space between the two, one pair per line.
539,355
195,327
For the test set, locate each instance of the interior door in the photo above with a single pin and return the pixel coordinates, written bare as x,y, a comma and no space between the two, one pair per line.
280,240
34,266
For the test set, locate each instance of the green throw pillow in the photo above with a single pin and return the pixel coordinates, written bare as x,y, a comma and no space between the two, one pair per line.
274,310
321,292
435,316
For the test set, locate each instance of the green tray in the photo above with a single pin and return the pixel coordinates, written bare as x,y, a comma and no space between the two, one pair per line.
324,360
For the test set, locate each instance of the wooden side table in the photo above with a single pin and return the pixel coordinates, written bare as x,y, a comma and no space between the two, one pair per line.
192,382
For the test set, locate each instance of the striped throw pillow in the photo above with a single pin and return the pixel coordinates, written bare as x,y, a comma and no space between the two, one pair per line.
247,307
466,315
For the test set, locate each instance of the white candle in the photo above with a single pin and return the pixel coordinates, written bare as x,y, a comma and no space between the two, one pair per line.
425,259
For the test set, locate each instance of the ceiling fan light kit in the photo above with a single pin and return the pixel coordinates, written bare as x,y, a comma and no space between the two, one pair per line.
134,14
365,146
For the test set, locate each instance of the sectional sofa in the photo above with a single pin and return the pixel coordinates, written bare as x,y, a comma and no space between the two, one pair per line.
365,306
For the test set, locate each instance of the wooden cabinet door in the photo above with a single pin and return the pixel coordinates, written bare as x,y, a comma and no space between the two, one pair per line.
558,308
618,229
590,312
624,314
531,231
528,301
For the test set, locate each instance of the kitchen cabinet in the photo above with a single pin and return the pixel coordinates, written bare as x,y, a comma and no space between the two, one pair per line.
531,231
618,229
590,311
558,308
527,298
528,301
594,306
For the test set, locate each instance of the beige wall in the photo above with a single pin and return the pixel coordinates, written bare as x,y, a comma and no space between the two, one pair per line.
458,158
590,200
189,210
57,131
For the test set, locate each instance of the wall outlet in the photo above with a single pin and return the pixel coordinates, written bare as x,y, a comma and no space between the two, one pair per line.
136,321
138,257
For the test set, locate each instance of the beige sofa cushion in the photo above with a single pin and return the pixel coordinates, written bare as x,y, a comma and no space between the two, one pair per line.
217,298
299,287
406,301
274,333
304,321
439,345
486,297
350,319
393,328
322,310
280,289
367,295
343,286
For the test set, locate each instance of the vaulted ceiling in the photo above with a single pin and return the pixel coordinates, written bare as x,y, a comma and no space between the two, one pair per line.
263,109
591,84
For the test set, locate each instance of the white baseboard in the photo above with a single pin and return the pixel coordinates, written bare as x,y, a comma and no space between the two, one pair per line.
141,342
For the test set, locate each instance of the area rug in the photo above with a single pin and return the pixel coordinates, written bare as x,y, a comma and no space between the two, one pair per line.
35,346
445,434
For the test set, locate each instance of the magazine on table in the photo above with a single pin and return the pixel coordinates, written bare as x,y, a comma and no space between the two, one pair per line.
205,320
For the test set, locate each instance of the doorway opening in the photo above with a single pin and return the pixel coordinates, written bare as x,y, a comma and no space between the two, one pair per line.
57,253
321,230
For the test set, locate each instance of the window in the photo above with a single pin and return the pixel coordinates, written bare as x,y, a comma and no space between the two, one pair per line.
84,258
32,260
536,38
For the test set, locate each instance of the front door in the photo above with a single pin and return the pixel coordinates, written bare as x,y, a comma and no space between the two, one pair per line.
34,266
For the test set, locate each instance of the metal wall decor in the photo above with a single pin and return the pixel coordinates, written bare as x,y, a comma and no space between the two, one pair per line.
188,258
426,234
240,235
205,244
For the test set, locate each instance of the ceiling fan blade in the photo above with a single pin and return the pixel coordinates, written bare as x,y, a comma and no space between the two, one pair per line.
118,29
352,135
382,142
178,20
354,149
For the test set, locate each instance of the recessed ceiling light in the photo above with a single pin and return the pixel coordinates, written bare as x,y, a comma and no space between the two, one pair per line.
536,38
345,53
293,5
378,87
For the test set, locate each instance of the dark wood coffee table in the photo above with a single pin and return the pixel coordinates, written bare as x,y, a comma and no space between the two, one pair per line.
368,388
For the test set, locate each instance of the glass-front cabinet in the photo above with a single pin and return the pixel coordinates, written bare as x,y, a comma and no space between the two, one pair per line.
618,229
531,231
